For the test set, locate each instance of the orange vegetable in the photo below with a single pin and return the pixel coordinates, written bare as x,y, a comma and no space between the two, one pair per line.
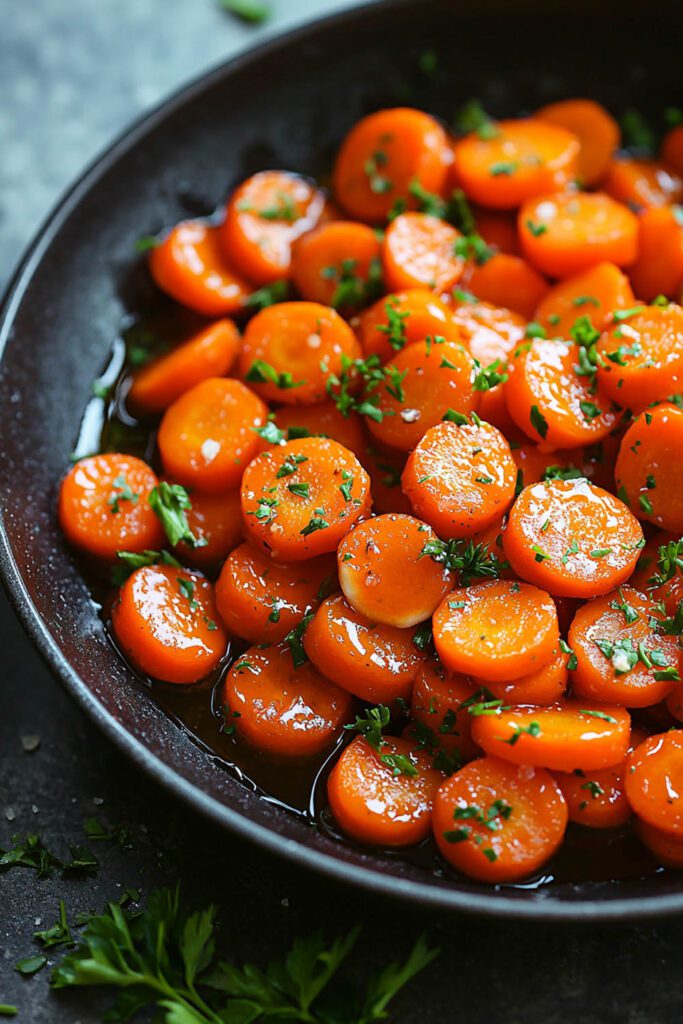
532,463
520,160
594,293
372,661
419,252
383,155
166,623
654,781
544,686
497,630
598,799
207,437
385,468
650,465
564,736
642,184
572,538
596,130
337,264
460,478
298,500
499,823
322,419
264,217
216,522
261,600
658,269
666,847
642,356
506,280
402,318
439,709
498,229
384,574
210,353
280,709
290,349
104,507
373,804
567,233
189,265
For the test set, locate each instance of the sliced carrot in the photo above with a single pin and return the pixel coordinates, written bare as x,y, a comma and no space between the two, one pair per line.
210,353
642,184
373,804
665,847
672,149
440,711
384,575
104,506
385,468
460,478
519,160
290,349
572,538
621,654
383,155
298,500
564,736
338,264
282,709
649,467
421,384
544,686
642,356
166,623
322,419
189,265
402,318
506,280
497,822
594,293
372,661
419,251
207,436
566,233
498,630
262,600
654,781
216,522
551,394
596,130
264,217
658,269
534,465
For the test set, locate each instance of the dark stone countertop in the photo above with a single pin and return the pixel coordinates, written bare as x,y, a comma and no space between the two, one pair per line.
71,76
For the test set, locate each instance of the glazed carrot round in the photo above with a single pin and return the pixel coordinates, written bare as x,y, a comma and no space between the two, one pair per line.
460,478
498,630
521,159
261,600
419,252
207,437
265,215
564,736
423,381
566,233
338,264
572,538
322,419
595,799
594,293
440,710
298,500
372,661
544,686
385,468
282,710
672,149
533,464
499,823
666,847
620,653
649,467
642,184
596,130
216,522
383,155
166,623
642,356
373,804
189,265
290,349
104,506
654,781
402,318
210,353
384,575
506,280
552,399
658,269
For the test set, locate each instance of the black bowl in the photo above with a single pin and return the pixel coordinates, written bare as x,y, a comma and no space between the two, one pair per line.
285,104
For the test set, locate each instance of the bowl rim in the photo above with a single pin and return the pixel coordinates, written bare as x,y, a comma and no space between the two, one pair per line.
487,904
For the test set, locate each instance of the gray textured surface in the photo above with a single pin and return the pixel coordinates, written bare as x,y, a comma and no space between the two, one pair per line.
72,74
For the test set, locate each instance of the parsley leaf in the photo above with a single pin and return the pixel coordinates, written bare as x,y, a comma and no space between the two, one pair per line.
171,502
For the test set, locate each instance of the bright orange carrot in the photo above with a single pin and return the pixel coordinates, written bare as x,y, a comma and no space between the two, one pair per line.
338,264
534,465
419,251
666,847
658,269
596,130
649,467
597,799
215,520
507,281
322,419
544,686
594,293
654,781
440,712
402,318
642,356
642,184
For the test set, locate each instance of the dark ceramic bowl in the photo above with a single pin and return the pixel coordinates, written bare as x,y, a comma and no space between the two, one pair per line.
287,103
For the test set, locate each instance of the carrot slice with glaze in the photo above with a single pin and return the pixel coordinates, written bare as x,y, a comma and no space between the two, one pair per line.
642,356
596,130
506,280
544,686
338,264
440,711
597,799
658,269
402,318
419,251
649,467
594,293
216,522
654,781
642,184
322,419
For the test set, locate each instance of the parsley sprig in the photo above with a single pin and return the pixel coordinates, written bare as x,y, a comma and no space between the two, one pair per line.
472,561
171,502
370,725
